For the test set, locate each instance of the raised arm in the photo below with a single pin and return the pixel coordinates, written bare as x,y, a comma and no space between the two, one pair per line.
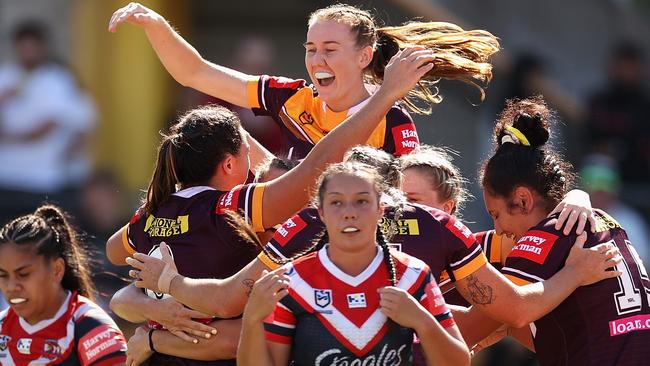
182,61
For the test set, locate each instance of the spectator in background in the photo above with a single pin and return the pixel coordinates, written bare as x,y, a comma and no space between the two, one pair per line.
618,115
45,120
600,177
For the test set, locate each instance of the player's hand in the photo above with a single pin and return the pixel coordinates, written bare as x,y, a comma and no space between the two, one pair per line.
405,69
136,14
138,350
178,319
591,265
266,293
400,306
575,207
153,273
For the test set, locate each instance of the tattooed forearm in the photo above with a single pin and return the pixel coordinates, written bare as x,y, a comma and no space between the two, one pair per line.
480,293
248,285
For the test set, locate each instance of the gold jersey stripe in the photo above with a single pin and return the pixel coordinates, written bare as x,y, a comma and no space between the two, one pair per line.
470,267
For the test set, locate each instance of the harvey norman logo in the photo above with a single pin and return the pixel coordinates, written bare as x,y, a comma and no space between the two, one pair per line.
534,246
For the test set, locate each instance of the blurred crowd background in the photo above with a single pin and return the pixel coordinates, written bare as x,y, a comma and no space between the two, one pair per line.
81,109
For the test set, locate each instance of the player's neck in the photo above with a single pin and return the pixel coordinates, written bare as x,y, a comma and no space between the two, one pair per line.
52,306
351,99
352,262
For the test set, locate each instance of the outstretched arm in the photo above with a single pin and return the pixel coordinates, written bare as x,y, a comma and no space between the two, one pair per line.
131,304
490,292
182,61
223,298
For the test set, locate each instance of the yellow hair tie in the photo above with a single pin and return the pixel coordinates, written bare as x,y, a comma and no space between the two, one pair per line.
520,136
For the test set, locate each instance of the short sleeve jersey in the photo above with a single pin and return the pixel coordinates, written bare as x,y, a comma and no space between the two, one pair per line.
80,333
491,244
193,224
202,241
438,239
298,109
331,318
606,323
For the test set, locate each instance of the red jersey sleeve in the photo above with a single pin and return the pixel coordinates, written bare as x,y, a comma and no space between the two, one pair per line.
434,302
99,340
280,325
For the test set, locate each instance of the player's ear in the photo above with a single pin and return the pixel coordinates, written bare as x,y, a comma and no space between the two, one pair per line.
524,199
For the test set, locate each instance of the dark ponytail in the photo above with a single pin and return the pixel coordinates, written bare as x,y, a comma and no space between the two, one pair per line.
189,155
49,230
523,156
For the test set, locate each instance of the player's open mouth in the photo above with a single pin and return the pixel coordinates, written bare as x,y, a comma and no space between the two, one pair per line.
17,300
350,229
324,78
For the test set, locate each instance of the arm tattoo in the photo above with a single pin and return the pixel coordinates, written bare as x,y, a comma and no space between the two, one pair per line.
479,292
248,285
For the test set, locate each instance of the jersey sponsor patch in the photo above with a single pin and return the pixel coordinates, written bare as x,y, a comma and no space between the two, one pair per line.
228,201
461,231
4,342
289,229
25,346
534,246
357,300
163,227
629,324
101,341
406,138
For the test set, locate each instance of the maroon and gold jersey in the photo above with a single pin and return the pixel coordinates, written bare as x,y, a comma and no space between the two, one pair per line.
298,109
80,333
606,323
440,240
202,242
491,244
332,318
192,223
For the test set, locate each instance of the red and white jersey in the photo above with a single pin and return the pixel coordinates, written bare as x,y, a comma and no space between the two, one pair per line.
332,318
80,333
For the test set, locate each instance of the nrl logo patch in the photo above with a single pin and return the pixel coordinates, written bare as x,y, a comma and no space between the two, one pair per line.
322,298
4,342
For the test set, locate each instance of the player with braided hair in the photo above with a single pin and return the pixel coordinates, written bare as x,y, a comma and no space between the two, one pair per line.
340,299
44,274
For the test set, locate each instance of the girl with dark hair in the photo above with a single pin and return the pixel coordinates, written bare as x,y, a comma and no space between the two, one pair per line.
602,324
195,188
359,300
44,274
345,56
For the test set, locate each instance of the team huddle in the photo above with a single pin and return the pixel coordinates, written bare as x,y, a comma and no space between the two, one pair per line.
353,252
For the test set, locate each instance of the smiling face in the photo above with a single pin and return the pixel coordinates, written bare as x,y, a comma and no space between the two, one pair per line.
336,63
508,220
350,210
30,282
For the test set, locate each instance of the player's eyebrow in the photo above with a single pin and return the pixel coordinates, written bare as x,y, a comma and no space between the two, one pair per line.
326,42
